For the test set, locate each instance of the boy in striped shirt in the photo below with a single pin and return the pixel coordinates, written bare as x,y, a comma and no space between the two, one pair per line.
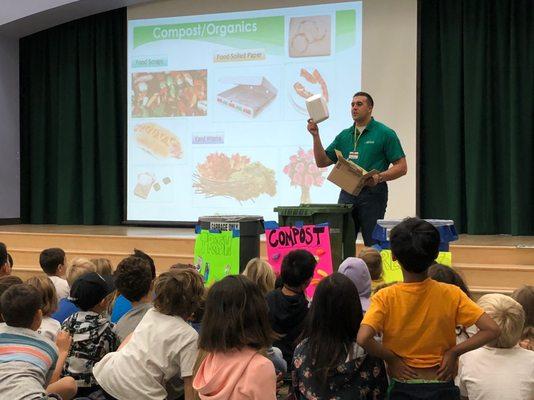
30,364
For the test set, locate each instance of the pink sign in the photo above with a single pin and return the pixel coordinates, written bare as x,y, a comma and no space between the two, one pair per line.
314,238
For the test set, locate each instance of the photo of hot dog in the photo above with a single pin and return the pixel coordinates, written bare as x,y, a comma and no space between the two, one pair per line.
157,140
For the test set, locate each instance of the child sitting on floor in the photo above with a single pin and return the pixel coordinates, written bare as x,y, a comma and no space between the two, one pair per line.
103,266
49,326
162,347
92,334
261,273
122,305
373,260
328,364
234,336
76,268
133,280
30,364
6,282
288,305
418,319
5,265
525,296
356,270
54,263
501,370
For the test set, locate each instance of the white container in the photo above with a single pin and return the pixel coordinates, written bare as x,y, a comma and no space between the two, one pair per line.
317,108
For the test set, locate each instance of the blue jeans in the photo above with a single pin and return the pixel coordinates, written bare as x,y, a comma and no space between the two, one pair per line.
369,206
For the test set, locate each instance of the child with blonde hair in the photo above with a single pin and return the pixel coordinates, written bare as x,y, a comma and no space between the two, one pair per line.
500,370
373,260
260,272
103,266
49,326
76,268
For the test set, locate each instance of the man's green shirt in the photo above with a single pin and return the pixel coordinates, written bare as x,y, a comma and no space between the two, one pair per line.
377,146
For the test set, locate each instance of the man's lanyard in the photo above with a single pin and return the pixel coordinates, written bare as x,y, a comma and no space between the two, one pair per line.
357,135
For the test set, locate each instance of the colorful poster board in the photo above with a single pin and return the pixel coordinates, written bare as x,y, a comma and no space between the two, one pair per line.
392,269
216,254
281,240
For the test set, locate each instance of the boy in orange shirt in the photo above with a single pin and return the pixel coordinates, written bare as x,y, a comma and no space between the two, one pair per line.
418,319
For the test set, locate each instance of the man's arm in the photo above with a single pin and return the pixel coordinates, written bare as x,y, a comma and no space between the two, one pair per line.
321,159
397,169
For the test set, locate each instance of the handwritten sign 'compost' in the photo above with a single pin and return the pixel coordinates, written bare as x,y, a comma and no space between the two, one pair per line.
313,238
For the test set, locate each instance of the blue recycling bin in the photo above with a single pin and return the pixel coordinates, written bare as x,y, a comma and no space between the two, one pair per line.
447,232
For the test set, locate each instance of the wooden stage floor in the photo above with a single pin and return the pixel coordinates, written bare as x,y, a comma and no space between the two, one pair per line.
489,263
168,232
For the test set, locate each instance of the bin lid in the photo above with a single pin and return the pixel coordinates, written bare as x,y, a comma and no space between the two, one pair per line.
391,223
230,218
310,209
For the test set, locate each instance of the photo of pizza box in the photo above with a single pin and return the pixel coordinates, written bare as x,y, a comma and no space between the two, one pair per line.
250,95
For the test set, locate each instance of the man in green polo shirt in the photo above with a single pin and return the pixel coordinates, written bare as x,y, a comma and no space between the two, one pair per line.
371,145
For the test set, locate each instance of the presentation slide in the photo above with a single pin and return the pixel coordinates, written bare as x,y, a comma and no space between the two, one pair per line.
217,114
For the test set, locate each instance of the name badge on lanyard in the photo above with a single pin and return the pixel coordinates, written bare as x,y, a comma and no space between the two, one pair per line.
353,155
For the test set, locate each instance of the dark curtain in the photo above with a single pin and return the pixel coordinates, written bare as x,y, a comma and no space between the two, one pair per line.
476,114
73,100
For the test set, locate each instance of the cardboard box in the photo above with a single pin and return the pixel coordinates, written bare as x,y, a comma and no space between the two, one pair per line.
317,108
349,176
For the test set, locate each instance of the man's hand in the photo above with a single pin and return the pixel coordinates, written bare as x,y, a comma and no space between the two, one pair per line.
373,180
313,128
63,341
398,369
447,369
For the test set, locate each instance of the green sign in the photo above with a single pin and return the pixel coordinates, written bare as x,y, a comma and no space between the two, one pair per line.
217,254
269,32
393,271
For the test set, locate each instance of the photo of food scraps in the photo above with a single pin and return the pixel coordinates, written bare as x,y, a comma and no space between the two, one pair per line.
310,36
249,95
308,82
169,94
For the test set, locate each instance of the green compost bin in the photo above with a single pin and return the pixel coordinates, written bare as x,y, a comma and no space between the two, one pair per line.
339,218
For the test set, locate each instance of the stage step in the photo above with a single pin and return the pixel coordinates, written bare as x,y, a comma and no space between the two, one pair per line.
508,255
98,243
506,277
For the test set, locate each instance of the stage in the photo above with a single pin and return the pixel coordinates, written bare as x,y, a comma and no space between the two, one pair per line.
496,263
